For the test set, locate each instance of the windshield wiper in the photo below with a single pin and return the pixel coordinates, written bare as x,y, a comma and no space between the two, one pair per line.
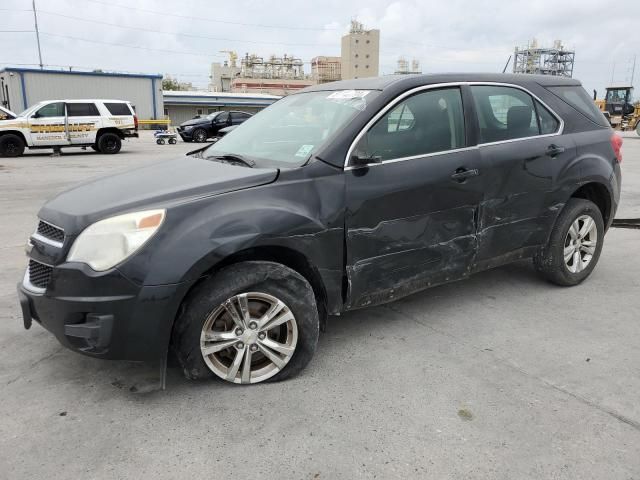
232,158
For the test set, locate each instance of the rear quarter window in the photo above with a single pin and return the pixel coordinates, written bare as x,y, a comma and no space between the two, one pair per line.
119,108
580,100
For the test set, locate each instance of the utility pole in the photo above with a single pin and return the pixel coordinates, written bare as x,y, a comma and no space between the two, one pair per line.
633,69
35,19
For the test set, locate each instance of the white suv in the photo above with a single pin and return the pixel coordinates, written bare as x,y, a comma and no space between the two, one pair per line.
99,124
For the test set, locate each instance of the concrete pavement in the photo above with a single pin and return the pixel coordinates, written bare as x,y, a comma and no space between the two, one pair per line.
502,376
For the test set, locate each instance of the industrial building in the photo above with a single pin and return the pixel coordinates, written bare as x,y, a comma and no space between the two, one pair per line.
360,52
23,87
223,73
404,68
326,69
182,106
360,57
556,60
274,76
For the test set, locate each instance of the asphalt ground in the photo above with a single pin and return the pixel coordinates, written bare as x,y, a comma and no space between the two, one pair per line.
501,376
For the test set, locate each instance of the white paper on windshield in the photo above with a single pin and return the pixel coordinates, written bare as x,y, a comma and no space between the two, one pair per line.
348,94
304,150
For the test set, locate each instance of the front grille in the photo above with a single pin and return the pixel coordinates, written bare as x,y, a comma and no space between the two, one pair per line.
49,231
39,274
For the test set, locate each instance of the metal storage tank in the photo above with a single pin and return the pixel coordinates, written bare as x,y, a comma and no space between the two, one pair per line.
23,87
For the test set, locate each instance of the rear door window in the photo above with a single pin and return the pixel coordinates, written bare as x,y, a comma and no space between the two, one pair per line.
581,101
119,108
239,117
504,113
82,110
548,123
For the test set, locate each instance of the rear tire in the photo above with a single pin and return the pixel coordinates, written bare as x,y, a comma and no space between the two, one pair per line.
266,285
109,143
200,135
11,145
574,245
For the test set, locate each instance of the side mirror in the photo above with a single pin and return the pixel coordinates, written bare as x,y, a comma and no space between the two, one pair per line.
362,160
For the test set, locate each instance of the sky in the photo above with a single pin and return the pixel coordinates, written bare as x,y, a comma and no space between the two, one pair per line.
182,38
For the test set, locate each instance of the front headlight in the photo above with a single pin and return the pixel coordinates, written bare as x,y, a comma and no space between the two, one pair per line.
108,242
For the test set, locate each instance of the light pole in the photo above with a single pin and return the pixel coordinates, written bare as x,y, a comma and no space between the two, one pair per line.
35,19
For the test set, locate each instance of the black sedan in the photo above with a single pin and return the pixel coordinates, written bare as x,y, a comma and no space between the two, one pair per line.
202,128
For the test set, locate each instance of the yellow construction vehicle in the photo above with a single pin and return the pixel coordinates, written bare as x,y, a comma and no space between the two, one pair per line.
619,108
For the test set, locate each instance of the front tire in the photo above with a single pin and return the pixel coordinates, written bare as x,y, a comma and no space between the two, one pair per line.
11,145
251,322
200,135
574,246
109,143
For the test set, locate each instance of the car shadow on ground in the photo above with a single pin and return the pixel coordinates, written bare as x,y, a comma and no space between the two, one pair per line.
342,331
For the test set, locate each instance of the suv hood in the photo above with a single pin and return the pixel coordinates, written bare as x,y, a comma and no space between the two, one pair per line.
8,114
195,121
182,179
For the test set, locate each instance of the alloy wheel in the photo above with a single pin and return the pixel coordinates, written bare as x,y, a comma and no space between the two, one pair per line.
249,338
201,136
580,243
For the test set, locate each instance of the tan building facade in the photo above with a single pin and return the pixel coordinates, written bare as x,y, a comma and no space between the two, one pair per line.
222,75
360,52
326,69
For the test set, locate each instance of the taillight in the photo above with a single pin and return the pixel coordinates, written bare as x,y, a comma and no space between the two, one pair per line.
616,143
135,121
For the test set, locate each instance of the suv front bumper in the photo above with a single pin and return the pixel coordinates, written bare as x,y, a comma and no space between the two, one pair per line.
107,316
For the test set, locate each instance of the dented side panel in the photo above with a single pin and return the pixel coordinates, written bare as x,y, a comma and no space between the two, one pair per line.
410,225
526,190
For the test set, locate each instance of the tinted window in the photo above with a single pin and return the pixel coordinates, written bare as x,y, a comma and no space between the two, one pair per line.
427,122
222,118
239,116
504,113
82,110
581,101
119,108
548,123
51,110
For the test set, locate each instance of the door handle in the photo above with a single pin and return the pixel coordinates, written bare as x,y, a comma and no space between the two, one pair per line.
554,150
461,174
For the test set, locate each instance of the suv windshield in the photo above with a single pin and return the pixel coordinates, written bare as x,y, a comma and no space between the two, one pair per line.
288,132
31,109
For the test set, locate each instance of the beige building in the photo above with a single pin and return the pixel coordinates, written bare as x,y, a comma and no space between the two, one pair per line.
326,69
360,52
222,75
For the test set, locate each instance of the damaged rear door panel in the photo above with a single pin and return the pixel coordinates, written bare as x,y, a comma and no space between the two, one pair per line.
521,142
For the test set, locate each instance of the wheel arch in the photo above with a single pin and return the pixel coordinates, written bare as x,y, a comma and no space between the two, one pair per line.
283,255
599,194
104,130
14,132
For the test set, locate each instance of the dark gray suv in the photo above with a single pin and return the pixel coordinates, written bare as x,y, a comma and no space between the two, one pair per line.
341,196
